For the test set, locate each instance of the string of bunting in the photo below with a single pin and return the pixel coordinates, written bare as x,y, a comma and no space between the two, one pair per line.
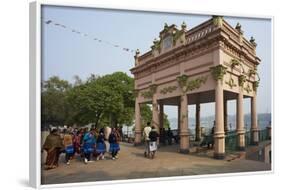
62,26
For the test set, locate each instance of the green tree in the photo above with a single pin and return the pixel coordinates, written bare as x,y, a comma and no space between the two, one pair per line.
106,100
146,116
54,107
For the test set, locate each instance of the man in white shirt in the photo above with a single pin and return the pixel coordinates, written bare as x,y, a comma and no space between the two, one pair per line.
146,132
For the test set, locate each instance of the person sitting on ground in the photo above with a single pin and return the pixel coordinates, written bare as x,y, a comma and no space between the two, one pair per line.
114,144
77,141
101,147
68,146
52,145
89,143
146,132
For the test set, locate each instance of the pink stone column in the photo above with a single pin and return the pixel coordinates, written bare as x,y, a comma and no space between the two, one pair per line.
219,137
254,121
184,136
240,129
155,113
137,123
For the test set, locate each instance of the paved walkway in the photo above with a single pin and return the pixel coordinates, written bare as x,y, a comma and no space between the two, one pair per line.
132,164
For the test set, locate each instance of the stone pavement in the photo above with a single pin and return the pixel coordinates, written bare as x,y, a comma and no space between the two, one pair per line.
131,164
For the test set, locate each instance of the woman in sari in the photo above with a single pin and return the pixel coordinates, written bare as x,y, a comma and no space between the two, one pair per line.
53,145
89,143
77,141
114,143
101,147
68,146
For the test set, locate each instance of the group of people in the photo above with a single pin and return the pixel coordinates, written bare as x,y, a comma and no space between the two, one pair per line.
150,136
89,144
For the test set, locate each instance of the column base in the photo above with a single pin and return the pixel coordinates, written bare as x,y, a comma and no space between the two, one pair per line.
184,151
219,156
239,148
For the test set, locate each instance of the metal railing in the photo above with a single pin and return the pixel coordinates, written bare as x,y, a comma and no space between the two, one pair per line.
231,139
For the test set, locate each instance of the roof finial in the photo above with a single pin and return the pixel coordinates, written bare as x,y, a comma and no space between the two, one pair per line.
155,41
238,28
137,52
252,41
183,26
137,56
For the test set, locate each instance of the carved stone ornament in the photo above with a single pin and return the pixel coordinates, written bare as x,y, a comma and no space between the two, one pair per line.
168,89
248,88
192,84
182,80
217,20
149,93
231,83
218,72
169,37
255,85
241,80
234,63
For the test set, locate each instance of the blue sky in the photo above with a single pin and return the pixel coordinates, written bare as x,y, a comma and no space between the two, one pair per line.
66,54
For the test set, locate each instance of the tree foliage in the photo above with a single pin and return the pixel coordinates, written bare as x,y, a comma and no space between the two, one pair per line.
55,110
100,100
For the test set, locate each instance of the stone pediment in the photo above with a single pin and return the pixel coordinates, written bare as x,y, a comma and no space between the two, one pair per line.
169,38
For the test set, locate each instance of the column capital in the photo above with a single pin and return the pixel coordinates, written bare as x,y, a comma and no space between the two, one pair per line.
218,72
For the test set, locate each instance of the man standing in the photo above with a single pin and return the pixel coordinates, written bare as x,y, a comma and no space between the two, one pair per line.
146,132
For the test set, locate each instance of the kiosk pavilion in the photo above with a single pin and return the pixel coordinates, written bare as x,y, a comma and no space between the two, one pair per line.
212,62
